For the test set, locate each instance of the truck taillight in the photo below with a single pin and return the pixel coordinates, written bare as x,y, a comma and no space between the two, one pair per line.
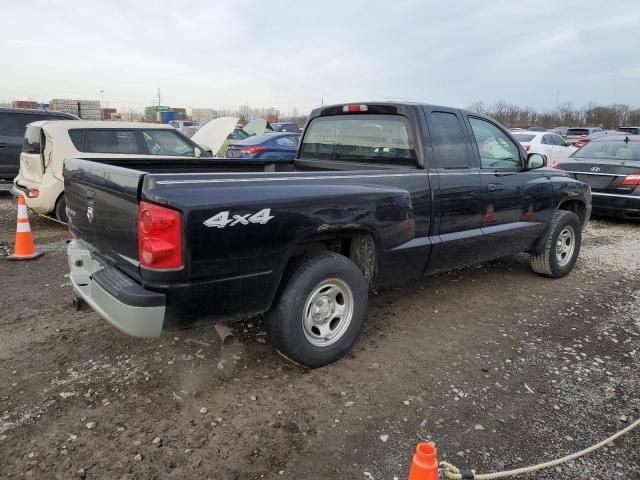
159,236
632,180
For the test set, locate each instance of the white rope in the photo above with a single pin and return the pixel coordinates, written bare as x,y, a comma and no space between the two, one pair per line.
453,473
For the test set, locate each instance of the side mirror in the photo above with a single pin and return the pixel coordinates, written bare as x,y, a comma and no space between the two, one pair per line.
197,152
535,160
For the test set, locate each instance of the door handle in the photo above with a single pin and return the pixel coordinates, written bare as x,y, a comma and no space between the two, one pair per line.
4,145
494,187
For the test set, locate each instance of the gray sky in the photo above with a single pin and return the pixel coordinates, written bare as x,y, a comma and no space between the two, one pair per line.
291,54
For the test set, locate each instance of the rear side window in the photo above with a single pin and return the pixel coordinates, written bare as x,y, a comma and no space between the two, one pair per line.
14,124
547,140
447,140
112,141
364,138
167,142
287,141
557,140
31,142
76,139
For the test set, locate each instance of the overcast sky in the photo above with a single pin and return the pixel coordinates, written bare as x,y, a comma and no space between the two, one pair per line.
296,53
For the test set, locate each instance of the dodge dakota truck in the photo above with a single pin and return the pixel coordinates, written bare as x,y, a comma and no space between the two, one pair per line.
379,193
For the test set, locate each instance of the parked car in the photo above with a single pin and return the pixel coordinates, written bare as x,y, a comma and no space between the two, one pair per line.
378,194
611,166
549,144
13,122
627,129
584,140
562,131
536,129
577,133
47,144
270,145
285,127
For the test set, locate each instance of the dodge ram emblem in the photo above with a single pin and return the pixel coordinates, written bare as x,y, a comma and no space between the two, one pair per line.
595,169
90,214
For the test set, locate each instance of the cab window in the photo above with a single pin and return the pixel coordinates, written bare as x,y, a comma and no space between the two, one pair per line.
364,138
447,140
497,151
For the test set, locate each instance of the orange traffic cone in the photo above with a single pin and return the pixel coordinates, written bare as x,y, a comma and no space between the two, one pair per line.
25,249
424,465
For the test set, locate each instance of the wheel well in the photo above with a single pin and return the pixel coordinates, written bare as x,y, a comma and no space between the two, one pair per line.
359,247
575,206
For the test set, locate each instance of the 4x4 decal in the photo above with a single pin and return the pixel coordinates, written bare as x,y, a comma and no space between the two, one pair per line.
221,220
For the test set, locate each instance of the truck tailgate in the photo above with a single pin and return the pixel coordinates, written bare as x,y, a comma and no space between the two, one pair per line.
102,206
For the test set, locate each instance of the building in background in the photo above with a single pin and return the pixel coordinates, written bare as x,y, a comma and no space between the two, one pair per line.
64,105
203,115
108,113
24,104
89,109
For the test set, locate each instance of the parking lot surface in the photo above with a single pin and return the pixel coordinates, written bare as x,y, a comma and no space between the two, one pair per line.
499,367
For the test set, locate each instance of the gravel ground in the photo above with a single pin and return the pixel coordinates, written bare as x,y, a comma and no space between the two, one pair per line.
499,367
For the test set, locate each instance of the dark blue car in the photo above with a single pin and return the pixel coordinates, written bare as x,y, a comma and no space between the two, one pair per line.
270,145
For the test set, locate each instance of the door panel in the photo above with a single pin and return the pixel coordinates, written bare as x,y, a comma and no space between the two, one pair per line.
457,189
517,203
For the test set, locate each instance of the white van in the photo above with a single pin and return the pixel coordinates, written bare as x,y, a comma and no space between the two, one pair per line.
48,143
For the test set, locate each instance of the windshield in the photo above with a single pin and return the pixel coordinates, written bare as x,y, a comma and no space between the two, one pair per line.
618,150
523,137
366,138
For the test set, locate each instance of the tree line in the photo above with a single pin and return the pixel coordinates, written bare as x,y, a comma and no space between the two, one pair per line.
566,115
272,114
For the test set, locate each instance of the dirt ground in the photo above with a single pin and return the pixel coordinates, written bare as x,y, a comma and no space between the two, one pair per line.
499,367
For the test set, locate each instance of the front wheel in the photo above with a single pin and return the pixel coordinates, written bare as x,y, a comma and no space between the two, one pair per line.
561,246
320,310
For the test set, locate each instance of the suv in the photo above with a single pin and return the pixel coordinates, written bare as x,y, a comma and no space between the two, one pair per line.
13,122
48,144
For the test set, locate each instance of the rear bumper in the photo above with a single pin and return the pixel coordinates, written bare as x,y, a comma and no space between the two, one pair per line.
113,295
49,191
616,205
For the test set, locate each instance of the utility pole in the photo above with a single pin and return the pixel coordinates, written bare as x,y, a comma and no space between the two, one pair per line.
159,98
557,99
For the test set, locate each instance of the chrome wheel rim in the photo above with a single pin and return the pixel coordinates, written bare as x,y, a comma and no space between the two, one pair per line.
565,245
327,312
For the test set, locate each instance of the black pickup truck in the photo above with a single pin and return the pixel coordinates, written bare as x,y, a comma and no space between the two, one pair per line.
378,194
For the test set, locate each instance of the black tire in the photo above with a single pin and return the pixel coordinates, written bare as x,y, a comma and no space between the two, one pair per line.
547,262
60,211
284,323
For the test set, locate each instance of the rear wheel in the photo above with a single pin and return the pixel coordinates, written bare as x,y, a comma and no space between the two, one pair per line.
561,246
60,211
320,311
